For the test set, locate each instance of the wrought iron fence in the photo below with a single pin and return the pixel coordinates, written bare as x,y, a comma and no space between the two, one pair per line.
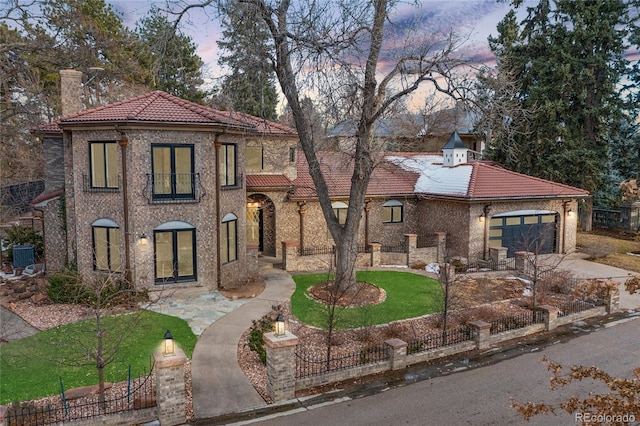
438,340
312,364
576,306
400,247
494,265
313,250
139,393
515,322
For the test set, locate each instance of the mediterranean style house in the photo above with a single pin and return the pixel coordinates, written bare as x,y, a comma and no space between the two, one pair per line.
170,192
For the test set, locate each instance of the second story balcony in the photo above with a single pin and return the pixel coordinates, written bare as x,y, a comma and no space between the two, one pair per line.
173,188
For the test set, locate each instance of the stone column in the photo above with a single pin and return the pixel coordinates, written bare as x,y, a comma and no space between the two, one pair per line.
170,391
524,261
289,255
412,245
281,365
441,243
252,258
550,316
482,332
398,350
375,253
498,256
612,296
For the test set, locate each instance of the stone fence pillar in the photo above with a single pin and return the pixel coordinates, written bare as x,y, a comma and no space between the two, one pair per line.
482,331
281,365
524,261
289,255
375,253
441,242
252,259
398,350
612,297
550,316
412,246
498,255
170,391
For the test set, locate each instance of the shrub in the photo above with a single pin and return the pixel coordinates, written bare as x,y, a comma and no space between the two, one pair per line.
67,287
256,343
19,235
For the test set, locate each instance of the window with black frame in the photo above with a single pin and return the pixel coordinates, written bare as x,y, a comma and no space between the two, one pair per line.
175,252
228,165
172,170
105,235
103,163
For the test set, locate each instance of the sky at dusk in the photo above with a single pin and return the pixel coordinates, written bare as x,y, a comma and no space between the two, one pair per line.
472,19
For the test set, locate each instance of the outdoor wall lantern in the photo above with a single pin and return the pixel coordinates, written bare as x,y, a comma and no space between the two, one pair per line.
169,344
143,239
279,325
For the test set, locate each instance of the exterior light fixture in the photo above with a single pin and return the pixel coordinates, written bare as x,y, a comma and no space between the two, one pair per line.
279,325
143,239
169,344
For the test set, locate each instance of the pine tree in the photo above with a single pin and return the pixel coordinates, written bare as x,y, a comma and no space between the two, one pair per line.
250,87
567,57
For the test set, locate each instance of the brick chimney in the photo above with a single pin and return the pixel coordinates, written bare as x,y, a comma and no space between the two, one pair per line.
71,91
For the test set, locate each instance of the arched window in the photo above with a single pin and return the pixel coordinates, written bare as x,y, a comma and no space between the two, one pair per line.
229,238
340,210
106,245
392,211
175,252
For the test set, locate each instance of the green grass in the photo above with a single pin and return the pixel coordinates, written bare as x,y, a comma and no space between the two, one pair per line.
408,296
32,367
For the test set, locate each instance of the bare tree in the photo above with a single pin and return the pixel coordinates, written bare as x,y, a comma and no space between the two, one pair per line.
361,61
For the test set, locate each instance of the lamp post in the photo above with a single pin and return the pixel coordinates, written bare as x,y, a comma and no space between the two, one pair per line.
169,344
279,325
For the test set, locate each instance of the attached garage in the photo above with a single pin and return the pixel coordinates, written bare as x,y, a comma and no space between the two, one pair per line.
524,230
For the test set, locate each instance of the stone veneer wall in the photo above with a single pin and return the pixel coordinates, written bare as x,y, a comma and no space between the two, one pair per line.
466,230
83,208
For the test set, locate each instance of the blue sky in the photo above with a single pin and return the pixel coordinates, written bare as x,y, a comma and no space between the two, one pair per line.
475,19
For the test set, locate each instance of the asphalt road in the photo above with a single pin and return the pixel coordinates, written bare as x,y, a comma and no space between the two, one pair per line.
480,395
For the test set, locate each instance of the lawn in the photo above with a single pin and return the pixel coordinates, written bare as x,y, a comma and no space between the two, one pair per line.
610,251
31,368
408,295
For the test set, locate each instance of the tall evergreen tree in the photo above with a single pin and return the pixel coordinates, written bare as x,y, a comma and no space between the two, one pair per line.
567,57
250,87
170,57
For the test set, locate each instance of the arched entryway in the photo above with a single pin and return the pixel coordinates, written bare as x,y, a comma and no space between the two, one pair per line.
261,223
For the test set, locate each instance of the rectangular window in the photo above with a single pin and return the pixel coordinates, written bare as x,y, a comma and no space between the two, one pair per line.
255,158
228,165
173,175
292,155
175,255
229,241
103,157
106,249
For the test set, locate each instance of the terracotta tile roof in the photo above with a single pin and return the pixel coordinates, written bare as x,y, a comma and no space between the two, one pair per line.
489,180
156,107
47,195
387,178
261,125
161,107
477,180
268,181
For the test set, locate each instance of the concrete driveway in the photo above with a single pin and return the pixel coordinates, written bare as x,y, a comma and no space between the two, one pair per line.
580,267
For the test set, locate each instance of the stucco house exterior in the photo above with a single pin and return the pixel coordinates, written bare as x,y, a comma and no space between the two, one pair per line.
170,192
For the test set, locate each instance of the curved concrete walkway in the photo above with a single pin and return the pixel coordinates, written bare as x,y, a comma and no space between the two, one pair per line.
218,384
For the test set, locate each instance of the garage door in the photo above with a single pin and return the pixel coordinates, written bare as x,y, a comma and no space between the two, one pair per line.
524,230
